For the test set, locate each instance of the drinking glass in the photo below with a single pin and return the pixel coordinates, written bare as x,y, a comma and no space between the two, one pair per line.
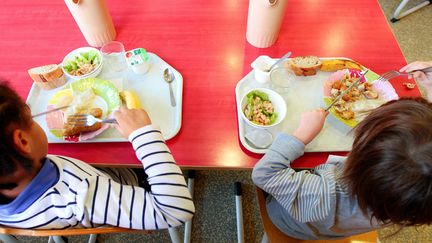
115,67
280,79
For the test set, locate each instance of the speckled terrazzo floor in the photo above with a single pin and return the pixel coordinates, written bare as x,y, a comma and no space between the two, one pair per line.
214,197
413,32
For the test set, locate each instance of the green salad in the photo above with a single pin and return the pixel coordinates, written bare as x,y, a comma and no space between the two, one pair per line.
83,63
259,109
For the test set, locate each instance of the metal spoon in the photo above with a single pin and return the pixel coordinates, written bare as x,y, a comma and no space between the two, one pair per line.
278,61
169,78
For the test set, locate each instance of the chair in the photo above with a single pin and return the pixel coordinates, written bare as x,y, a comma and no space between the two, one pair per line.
56,235
274,235
398,14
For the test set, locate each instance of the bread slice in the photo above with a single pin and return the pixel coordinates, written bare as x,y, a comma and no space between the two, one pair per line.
304,65
48,76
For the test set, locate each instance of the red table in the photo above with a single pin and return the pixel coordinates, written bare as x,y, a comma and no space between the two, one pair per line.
205,41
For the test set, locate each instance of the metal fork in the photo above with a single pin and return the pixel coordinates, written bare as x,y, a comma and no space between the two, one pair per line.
393,74
87,120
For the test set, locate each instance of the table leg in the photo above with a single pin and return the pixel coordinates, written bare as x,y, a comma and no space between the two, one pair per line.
188,225
8,239
398,14
239,212
174,235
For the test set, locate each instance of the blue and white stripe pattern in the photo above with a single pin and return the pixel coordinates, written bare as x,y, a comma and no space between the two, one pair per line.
87,197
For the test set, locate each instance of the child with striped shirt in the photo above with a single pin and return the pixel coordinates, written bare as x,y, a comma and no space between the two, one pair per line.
40,191
386,178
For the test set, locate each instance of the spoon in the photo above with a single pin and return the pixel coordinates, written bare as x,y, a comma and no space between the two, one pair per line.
278,61
169,78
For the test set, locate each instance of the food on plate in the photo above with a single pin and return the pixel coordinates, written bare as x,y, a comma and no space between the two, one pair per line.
362,92
259,109
83,63
71,127
48,77
304,65
130,99
81,96
79,103
332,65
409,85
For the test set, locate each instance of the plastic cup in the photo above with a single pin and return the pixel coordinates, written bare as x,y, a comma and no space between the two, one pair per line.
115,67
114,58
280,79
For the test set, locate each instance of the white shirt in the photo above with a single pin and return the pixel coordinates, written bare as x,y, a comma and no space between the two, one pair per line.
86,197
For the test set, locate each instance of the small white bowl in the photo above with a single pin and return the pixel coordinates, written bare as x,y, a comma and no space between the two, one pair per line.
279,104
71,56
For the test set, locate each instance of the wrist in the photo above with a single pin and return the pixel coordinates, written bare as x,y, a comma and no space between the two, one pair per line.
300,136
142,130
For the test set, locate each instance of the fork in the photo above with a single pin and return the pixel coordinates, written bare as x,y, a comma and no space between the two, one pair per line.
87,120
393,74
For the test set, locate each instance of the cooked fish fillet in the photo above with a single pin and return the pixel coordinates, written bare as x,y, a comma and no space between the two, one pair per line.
70,129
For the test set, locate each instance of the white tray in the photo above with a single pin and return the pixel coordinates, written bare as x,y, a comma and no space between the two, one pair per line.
304,93
151,89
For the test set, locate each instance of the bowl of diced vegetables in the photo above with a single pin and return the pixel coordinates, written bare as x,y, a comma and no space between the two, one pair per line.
84,62
263,108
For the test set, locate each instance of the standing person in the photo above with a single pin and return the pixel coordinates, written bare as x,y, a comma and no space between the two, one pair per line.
386,178
41,191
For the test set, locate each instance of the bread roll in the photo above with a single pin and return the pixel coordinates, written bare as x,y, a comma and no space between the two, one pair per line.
304,65
48,76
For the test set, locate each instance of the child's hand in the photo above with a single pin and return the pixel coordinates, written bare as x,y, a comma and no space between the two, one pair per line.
130,120
311,123
425,79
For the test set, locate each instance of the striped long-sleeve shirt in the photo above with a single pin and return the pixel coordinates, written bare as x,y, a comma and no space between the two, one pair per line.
308,204
83,196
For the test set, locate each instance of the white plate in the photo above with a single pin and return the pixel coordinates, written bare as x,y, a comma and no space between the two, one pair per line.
151,89
303,94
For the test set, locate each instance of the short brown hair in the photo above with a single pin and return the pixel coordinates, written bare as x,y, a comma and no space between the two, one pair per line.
12,116
389,169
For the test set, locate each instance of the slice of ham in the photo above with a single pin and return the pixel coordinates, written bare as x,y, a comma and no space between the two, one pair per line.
90,135
54,119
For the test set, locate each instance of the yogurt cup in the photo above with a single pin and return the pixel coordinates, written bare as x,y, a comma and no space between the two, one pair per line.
260,65
138,60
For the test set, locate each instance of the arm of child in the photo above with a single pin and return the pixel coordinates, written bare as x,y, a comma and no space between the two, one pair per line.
311,123
302,194
167,203
424,78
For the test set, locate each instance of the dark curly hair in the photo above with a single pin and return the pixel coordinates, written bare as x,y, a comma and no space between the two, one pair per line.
12,116
389,169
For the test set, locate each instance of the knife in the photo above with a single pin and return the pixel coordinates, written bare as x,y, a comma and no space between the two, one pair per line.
49,111
346,91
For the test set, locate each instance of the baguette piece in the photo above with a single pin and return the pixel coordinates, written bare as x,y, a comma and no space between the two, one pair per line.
48,77
304,65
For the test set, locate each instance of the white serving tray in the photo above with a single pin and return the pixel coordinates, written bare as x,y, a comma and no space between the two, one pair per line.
151,89
304,93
